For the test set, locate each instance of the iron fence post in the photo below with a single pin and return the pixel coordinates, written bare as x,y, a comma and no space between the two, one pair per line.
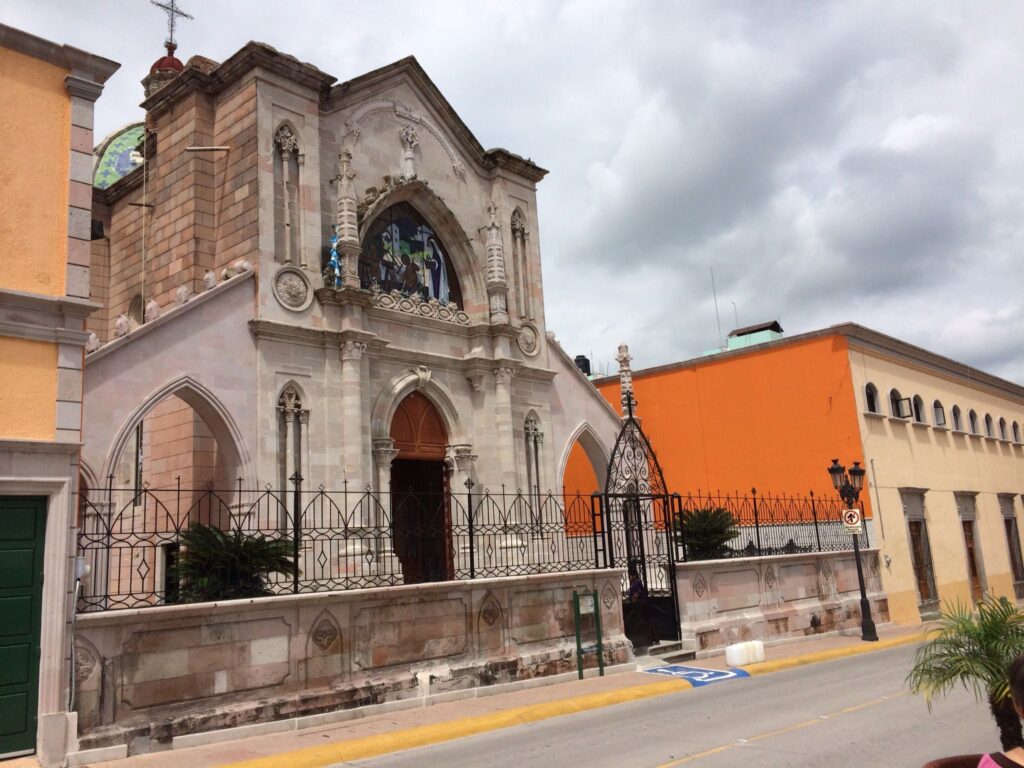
814,512
469,520
595,510
757,522
296,527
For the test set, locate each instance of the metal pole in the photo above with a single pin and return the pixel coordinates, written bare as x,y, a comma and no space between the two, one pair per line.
469,517
296,527
757,522
867,624
814,511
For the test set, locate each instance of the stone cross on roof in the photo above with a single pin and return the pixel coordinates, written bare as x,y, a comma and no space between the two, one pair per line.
173,11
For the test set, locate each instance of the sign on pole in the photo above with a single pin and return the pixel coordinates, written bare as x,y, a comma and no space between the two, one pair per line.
852,522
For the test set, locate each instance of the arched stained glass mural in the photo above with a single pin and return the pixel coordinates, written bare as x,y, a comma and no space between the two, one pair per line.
403,253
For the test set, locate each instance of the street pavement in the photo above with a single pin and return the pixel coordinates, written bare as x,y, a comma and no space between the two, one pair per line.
850,712
833,696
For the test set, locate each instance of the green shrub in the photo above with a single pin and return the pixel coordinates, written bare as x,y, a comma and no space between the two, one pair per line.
216,565
706,532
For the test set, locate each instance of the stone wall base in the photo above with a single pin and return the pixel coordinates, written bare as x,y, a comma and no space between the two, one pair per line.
722,602
404,689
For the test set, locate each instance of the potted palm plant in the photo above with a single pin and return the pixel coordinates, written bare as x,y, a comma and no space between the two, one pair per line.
974,648
220,565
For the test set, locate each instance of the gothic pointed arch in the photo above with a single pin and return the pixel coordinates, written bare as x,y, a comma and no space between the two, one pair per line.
447,230
633,466
207,405
583,439
417,429
416,379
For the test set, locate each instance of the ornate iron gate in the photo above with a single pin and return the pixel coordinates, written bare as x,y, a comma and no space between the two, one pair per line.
639,534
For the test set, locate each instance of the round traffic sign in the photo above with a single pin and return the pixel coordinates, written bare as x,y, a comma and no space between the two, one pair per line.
851,516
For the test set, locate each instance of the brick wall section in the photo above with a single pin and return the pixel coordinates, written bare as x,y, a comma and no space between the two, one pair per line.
204,205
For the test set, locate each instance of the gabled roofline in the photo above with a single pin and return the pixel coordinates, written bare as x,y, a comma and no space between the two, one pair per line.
488,158
553,344
66,56
860,337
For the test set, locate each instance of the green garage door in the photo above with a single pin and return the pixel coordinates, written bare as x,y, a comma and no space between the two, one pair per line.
22,524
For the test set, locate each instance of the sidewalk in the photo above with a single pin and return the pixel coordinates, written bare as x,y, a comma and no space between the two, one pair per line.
376,734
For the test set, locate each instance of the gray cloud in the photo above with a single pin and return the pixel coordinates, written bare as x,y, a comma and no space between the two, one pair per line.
830,161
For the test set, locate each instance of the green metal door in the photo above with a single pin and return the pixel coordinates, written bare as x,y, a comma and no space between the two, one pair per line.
22,525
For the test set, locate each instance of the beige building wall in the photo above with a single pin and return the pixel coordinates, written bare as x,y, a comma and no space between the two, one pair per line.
940,462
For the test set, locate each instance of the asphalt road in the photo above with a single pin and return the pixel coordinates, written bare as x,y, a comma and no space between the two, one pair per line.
850,712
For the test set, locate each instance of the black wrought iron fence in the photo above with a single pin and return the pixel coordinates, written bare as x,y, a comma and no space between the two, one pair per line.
136,540
344,539
766,525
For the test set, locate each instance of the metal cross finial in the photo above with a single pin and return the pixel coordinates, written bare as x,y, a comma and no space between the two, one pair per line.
173,11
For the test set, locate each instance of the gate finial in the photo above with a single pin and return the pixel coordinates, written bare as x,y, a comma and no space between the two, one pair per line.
626,380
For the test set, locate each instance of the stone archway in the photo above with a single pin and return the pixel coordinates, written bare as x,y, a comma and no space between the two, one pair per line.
420,509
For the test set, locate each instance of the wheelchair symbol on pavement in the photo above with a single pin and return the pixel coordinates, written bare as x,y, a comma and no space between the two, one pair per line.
698,676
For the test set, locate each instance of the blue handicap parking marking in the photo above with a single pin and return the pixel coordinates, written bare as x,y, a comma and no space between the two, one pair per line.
698,676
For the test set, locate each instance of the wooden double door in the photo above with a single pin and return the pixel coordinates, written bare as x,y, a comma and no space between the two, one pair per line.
421,524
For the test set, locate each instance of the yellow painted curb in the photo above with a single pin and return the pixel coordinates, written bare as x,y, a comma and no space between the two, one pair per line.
425,735
837,653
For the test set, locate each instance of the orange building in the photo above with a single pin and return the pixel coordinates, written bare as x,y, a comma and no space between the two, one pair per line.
941,443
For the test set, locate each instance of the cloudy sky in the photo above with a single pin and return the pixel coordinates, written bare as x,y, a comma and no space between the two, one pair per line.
855,161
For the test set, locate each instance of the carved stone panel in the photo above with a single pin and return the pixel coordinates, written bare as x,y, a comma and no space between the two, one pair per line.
409,632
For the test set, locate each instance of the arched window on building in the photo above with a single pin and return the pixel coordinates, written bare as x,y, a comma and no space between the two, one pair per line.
871,398
899,406
972,422
938,414
1002,428
1016,432
919,409
522,277
287,197
989,432
958,422
403,253
293,438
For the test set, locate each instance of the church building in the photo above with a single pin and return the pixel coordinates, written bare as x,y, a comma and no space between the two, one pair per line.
330,284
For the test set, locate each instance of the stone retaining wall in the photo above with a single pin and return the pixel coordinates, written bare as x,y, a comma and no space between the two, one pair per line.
769,598
147,676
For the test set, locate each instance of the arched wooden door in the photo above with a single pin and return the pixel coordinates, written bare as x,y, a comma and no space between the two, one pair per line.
420,513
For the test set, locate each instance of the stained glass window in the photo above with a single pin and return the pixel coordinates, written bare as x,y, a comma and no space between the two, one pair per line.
403,253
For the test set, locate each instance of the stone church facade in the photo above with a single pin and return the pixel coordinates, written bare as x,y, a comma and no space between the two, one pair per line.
335,281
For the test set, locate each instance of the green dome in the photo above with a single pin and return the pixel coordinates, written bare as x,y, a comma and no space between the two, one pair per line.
114,158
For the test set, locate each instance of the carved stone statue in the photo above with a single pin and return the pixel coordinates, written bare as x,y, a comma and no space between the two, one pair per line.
121,326
152,310
182,295
209,280
410,140
92,343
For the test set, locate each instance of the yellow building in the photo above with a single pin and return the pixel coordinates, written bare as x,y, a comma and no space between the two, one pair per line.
943,447
45,213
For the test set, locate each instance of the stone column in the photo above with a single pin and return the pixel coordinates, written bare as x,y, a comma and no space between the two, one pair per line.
302,462
506,447
287,145
463,461
384,452
351,353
